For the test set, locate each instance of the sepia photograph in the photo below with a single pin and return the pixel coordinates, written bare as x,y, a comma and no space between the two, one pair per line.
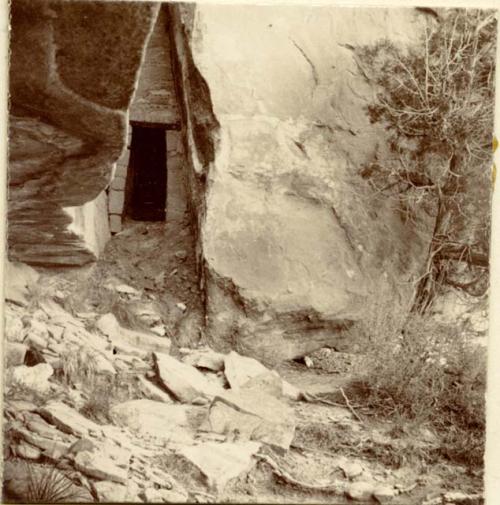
247,253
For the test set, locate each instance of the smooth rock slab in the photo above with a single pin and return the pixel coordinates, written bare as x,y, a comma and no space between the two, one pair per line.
253,415
360,491
100,466
110,492
151,391
67,419
27,451
185,382
109,325
15,353
158,419
19,277
242,371
220,463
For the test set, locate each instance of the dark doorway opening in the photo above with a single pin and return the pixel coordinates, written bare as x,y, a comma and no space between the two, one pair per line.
146,186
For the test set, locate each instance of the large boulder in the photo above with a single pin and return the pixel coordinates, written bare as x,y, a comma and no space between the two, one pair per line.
72,74
295,246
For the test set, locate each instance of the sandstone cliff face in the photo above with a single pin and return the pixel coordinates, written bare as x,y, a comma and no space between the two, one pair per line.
294,245
73,69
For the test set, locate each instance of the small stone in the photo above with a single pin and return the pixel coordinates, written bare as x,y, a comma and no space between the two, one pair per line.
181,255
351,469
14,329
159,329
27,451
15,353
84,444
384,494
359,490
184,381
36,341
204,358
110,492
181,306
35,378
308,362
129,290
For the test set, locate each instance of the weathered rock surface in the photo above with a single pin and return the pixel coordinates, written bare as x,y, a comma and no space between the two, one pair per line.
245,372
19,277
294,244
220,463
152,391
70,85
67,419
15,353
253,415
157,419
205,358
124,338
35,378
101,466
185,382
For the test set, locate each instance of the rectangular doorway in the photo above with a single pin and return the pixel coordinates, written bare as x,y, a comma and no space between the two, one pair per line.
146,187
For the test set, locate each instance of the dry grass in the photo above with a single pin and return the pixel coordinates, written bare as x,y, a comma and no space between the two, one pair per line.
425,373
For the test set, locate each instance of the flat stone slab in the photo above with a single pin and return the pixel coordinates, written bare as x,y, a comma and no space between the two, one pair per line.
15,353
253,415
109,325
67,419
151,391
242,371
205,358
221,462
100,466
169,422
185,382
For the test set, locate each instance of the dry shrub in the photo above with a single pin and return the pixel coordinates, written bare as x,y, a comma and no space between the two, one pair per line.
428,373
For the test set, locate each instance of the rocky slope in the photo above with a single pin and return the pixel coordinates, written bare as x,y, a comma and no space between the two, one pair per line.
100,390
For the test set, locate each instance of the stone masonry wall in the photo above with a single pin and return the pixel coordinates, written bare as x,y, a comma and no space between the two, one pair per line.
154,102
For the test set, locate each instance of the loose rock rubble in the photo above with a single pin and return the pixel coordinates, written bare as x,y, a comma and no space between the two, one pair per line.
128,416
203,409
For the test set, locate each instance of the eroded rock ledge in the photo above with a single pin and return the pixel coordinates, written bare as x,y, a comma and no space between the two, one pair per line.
73,70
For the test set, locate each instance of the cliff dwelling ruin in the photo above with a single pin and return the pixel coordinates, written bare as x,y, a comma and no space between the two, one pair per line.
247,252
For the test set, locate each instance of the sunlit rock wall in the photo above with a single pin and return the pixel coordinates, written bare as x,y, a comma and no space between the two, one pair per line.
294,246
73,69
